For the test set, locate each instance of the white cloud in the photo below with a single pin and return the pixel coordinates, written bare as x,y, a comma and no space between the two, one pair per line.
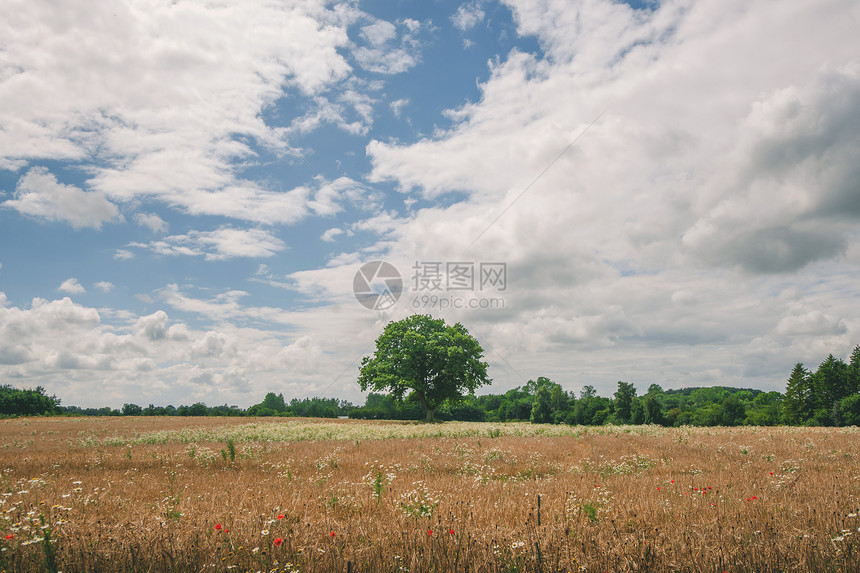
468,16
382,54
221,244
71,286
152,222
398,105
411,24
66,348
104,286
722,165
137,116
331,234
379,33
39,194
793,198
154,327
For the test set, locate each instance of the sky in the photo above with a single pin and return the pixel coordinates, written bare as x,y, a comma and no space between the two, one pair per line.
193,193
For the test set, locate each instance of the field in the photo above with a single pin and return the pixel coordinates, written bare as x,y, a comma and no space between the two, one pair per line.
218,494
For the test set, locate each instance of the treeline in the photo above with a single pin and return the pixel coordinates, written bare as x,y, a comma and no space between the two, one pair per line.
15,402
272,405
830,396
543,401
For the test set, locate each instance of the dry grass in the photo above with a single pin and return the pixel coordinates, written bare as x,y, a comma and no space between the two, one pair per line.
143,494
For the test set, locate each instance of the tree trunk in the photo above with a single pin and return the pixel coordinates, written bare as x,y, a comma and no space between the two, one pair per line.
429,412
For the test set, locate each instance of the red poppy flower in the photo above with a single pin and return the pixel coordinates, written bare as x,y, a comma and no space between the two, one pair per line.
332,533
281,516
10,536
754,497
278,541
429,532
658,488
673,481
451,532
217,527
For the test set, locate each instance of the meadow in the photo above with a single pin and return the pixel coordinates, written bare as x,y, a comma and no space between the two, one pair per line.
222,494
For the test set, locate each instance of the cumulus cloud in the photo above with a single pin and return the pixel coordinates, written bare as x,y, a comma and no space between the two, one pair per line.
151,221
66,348
72,286
468,16
719,159
115,116
331,234
154,327
381,52
212,344
398,105
104,286
40,195
795,197
221,244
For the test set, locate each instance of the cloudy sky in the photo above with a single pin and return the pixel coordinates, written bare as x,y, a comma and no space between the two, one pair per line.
599,191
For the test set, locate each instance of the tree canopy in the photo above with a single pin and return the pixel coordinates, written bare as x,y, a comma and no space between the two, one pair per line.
15,402
425,357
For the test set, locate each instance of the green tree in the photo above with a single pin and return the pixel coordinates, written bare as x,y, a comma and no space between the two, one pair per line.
15,402
561,404
425,356
532,386
131,410
830,384
734,411
624,401
849,410
274,402
637,412
765,410
854,370
798,404
591,409
468,411
542,409
653,405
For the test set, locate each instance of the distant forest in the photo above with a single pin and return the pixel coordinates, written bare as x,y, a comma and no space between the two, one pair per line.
830,396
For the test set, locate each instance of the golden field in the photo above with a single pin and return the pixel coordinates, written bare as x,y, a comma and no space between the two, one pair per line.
219,494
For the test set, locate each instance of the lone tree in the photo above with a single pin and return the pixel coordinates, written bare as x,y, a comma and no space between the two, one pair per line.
434,361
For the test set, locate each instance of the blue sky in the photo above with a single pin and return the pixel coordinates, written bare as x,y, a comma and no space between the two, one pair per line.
188,189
